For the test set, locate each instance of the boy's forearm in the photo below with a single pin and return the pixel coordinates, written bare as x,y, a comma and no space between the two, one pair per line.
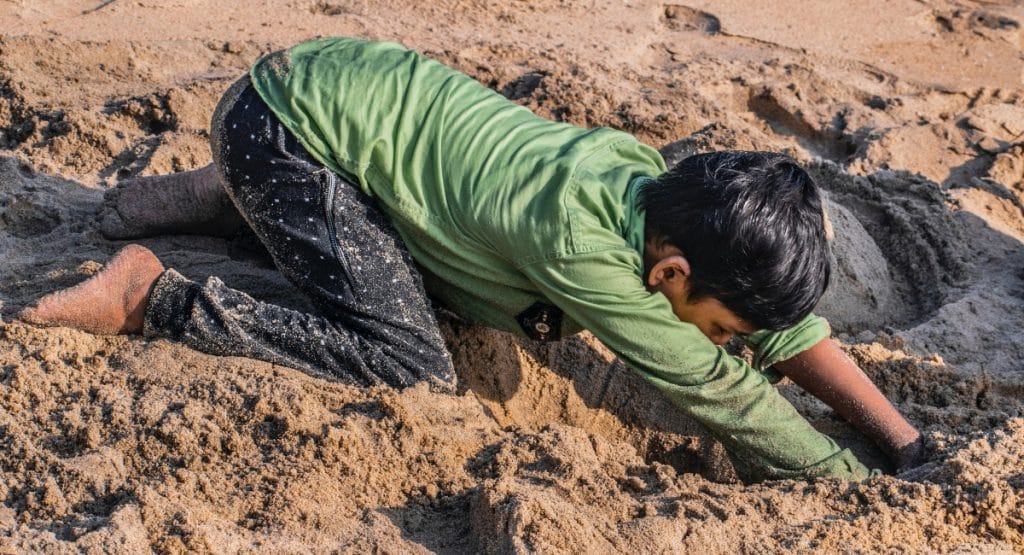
829,374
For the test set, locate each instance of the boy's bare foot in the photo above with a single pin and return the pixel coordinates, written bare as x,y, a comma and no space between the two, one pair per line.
111,302
191,202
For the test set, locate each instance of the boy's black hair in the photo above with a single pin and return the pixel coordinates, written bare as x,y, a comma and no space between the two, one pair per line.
752,227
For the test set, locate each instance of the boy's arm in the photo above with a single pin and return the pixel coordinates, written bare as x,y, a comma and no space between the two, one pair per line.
765,437
826,372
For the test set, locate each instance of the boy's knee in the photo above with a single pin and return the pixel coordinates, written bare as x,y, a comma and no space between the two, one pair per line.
445,383
218,132
437,369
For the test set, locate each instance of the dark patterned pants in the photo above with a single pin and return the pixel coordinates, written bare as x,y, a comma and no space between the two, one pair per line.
374,324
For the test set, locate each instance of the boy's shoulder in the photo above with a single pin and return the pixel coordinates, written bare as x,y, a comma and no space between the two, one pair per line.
554,196
602,203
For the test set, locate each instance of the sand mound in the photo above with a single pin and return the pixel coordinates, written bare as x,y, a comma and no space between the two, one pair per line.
904,113
112,443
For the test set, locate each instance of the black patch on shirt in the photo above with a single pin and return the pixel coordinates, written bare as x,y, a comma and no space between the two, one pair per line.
541,321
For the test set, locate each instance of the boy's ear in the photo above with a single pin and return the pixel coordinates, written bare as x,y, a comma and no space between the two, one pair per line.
671,267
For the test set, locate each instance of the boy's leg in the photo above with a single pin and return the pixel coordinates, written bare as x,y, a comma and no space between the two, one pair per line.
192,202
375,324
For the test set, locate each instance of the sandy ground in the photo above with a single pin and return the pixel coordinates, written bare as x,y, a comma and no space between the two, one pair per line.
911,114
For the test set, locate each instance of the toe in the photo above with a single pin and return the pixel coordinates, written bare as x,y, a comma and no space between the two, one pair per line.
30,315
112,225
111,194
111,222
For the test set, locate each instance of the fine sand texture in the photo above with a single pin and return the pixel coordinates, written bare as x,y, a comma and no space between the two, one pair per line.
910,114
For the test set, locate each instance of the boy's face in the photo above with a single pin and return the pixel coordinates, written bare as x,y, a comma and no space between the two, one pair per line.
713,319
668,274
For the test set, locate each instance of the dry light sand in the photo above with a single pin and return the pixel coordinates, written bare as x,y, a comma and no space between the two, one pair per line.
911,113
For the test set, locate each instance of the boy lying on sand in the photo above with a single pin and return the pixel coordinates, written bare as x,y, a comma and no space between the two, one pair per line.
374,176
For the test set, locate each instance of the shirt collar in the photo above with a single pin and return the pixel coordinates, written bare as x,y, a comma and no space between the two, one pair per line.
633,227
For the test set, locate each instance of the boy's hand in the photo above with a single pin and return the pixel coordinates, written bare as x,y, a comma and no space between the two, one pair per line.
919,473
910,455
826,372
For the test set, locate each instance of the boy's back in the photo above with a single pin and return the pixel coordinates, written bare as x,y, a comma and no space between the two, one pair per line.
477,186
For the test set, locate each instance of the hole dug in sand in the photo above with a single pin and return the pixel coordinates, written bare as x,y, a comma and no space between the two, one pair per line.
897,251
685,18
578,382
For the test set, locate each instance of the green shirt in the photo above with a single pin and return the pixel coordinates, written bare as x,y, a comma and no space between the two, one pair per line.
503,209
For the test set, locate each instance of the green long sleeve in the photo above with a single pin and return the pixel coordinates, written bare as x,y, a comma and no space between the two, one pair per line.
764,435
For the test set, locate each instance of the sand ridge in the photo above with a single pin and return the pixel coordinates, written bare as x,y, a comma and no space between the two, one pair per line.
909,114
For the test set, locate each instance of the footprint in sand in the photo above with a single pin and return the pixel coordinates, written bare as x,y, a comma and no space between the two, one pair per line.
685,18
